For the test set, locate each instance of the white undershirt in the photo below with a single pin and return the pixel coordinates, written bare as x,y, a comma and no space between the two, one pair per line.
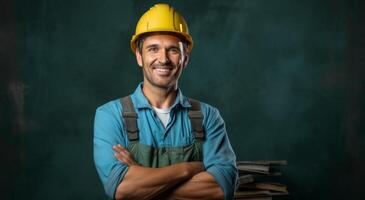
163,114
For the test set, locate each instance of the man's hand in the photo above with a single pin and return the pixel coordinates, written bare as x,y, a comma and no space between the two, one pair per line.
123,155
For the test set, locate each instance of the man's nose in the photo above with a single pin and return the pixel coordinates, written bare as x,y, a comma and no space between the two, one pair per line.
163,57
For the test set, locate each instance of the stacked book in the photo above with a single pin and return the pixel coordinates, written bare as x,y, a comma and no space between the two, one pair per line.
256,180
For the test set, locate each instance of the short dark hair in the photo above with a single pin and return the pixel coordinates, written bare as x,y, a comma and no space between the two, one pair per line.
139,44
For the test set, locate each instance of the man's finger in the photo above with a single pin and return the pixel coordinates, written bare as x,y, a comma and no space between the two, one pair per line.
118,157
127,156
125,161
117,148
124,157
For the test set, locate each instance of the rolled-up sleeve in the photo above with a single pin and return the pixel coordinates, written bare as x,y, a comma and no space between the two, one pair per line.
219,157
108,132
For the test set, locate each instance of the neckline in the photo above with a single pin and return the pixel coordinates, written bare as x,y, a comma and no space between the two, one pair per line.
162,110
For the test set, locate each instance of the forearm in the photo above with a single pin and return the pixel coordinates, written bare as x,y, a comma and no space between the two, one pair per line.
146,183
200,186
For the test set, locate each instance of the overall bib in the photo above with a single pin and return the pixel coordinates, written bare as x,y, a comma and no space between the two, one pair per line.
149,156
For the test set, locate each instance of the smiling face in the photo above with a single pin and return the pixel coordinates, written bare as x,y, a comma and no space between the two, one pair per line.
162,58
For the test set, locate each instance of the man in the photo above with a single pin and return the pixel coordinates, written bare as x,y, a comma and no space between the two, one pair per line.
157,143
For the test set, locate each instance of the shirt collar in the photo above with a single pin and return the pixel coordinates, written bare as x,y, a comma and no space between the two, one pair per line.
140,101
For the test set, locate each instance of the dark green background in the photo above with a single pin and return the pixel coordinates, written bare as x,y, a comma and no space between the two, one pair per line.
287,77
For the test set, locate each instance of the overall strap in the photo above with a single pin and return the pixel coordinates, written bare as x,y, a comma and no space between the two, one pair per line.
130,118
196,119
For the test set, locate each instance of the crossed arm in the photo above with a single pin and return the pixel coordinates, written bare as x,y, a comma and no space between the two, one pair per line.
186,180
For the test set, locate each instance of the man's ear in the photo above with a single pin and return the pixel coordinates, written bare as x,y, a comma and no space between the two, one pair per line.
139,58
186,59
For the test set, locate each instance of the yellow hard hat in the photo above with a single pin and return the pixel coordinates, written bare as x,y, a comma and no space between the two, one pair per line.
162,18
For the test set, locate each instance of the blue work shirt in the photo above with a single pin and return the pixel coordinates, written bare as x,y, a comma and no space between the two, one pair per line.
218,156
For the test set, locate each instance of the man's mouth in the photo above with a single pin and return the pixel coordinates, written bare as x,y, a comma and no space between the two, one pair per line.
162,70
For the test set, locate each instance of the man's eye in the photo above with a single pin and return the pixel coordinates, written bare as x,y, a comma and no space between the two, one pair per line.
153,49
174,50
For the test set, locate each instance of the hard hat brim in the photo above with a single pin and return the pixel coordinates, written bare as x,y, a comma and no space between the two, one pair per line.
181,35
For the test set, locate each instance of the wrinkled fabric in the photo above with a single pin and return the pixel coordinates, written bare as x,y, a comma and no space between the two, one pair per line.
218,156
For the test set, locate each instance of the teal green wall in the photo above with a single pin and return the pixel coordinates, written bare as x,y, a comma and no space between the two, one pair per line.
287,77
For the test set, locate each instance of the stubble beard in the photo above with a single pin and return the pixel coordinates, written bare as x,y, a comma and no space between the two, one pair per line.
149,77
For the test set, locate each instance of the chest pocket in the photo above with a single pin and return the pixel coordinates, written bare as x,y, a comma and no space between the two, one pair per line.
149,156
